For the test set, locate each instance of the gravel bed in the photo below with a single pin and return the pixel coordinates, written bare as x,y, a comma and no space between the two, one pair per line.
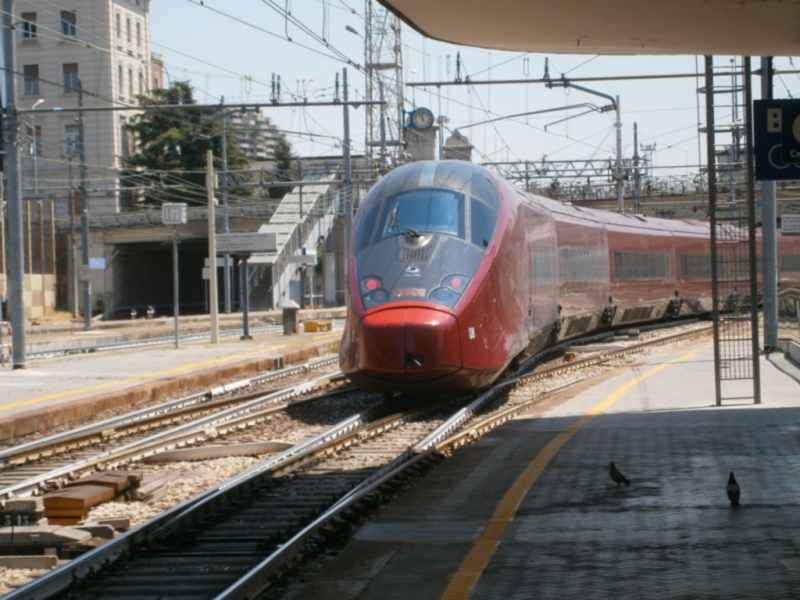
190,478
11,579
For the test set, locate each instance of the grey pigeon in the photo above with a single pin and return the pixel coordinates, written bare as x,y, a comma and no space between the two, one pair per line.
733,490
619,477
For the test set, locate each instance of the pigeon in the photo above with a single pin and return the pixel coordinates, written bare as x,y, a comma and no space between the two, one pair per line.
733,490
620,478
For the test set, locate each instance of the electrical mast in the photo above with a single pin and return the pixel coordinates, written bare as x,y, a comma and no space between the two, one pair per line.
384,79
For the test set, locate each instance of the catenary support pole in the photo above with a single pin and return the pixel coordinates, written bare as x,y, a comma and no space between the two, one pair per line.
711,158
212,252
16,254
226,258
769,234
175,286
348,191
245,301
751,227
620,188
85,272
637,177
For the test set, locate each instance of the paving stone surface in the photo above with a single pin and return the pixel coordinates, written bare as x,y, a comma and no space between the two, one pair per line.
672,534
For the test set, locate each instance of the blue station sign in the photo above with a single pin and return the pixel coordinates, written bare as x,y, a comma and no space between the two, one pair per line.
777,139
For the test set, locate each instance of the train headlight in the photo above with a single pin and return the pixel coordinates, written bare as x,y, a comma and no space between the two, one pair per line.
450,290
372,292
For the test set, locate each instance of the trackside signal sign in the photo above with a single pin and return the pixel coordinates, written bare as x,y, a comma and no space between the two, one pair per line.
777,139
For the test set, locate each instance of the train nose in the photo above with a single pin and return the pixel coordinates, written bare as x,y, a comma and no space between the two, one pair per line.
409,344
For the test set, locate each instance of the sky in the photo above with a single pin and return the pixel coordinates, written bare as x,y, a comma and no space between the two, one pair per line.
232,48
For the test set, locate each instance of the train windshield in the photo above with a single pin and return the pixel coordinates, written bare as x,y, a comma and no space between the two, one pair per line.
422,232
424,211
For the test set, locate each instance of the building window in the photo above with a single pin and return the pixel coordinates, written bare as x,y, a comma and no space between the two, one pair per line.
130,84
35,140
68,24
138,35
31,76
119,29
123,137
72,134
141,83
120,81
128,29
70,78
29,29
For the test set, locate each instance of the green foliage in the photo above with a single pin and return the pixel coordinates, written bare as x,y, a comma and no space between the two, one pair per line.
171,146
285,167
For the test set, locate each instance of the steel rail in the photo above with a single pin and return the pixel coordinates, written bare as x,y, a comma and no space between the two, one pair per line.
159,341
59,579
256,580
207,426
22,453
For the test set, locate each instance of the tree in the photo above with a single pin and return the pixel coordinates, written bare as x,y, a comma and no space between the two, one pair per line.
286,169
171,146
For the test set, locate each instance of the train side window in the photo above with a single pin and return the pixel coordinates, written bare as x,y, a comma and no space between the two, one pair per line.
641,265
790,264
483,222
365,227
695,265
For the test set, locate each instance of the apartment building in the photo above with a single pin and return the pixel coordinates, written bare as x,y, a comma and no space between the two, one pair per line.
101,47
257,135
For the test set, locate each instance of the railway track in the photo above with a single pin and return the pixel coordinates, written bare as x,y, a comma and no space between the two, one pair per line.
159,341
255,530
48,462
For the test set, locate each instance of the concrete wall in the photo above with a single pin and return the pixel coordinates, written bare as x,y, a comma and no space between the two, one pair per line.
40,295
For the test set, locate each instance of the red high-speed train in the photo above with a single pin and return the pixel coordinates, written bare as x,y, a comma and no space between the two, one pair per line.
454,273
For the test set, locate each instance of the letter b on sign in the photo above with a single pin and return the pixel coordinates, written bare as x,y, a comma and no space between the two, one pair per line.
774,120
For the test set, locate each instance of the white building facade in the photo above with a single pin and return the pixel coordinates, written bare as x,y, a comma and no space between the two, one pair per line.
101,46
257,135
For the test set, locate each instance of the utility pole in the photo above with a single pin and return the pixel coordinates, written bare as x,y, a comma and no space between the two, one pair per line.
85,272
348,175
16,256
769,234
620,199
212,251
226,277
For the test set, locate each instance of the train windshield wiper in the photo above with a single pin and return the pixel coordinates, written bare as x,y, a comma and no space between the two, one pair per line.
394,225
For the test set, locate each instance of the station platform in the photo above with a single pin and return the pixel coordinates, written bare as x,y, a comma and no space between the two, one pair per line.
529,511
71,389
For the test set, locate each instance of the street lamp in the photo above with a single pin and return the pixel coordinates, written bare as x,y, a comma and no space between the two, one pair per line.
35,147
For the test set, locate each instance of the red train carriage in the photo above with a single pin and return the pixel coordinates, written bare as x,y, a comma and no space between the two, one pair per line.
454,273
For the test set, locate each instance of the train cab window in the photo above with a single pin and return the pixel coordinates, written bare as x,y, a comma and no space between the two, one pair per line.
424,211
365,226
485,189
482,223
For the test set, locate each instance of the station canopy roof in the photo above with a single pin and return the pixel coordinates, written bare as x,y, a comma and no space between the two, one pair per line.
721,27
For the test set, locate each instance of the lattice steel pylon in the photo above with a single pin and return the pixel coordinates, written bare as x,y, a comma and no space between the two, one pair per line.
384,82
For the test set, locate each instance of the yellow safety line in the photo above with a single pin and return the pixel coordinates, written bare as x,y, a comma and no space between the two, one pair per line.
469,572
180,369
